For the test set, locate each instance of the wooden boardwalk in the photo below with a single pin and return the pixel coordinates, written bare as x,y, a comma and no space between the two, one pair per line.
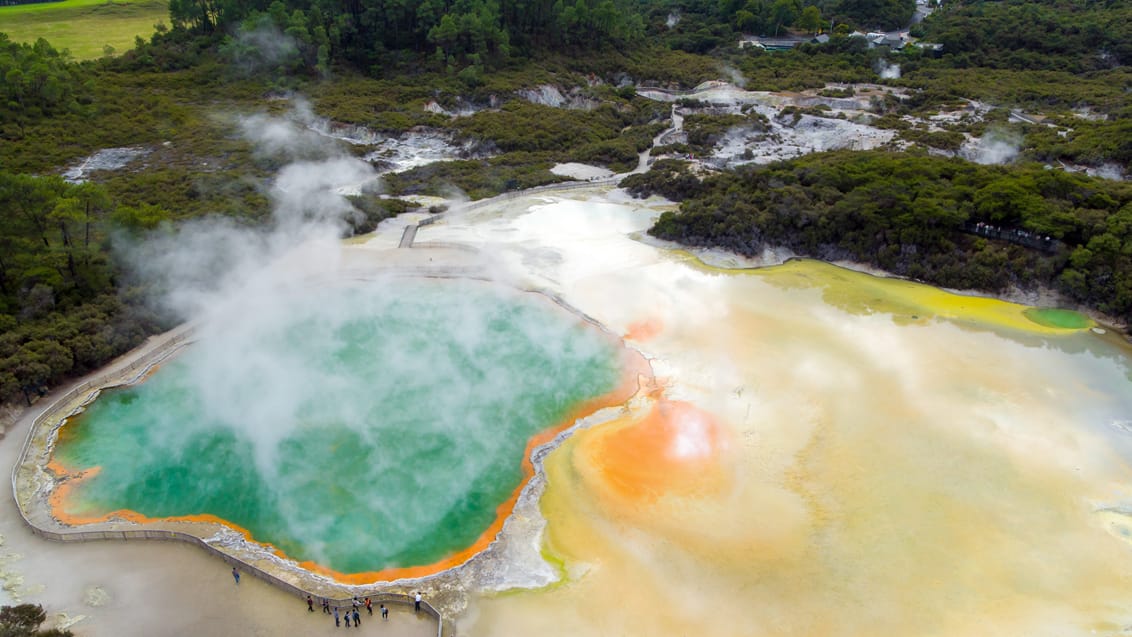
408,236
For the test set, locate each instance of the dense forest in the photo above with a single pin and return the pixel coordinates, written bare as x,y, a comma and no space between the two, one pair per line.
1052,35
39,82
25,620
61,310
479,34
67,305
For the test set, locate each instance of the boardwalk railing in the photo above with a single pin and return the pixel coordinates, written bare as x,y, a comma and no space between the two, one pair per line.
1017,236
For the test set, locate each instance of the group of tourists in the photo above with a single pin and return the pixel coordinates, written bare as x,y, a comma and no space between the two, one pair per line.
352,616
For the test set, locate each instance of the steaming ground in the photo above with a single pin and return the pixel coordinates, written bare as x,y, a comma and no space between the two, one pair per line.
785,136
105,159
831,123
844,123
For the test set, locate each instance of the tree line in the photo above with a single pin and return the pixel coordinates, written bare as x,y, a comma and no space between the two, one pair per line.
25,620
1054,35
63,308
370,33
911,215
701,26
39,81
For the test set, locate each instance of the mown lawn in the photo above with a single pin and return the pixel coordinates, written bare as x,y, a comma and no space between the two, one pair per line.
84,27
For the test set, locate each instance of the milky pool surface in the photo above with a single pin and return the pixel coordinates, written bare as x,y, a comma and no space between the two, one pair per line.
821,452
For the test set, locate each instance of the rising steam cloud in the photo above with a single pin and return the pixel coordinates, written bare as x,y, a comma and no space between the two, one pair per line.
887,71
259,48
202,262
736,76
996,146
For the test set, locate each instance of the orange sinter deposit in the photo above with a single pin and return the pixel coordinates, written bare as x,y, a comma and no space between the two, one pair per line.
643,330
675,450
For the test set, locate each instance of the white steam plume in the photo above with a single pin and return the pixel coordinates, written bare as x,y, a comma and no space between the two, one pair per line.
261,48
205,260
887,71
996,146
737,77
288,138
1107,171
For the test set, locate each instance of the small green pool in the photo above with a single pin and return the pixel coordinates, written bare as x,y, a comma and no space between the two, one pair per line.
1054,317
363,427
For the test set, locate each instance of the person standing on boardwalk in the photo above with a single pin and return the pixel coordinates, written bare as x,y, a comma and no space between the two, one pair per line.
235,575
347,618
310,604
357,619
326,605
384,612
337,622
369,607
417,602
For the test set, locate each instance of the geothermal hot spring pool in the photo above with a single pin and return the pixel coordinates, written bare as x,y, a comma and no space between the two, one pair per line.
359,427
813,451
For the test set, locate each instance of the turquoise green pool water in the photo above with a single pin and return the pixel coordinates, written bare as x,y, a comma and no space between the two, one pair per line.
362,427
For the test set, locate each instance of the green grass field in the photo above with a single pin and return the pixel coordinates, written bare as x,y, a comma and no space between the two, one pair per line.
84,27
